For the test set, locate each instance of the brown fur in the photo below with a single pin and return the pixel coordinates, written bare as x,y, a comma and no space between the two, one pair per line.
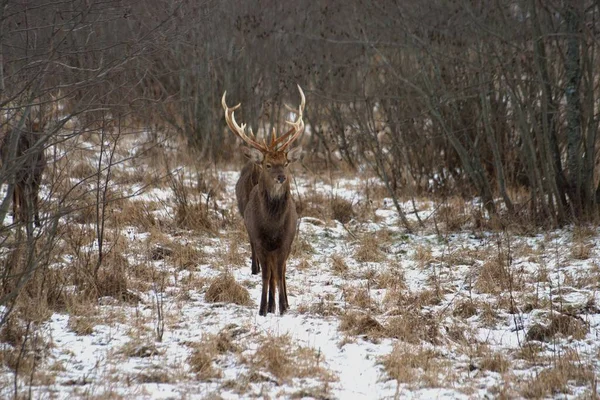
248,179
30,163
263,197
270,218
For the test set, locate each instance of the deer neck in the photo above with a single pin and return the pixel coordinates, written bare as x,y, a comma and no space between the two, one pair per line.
274,200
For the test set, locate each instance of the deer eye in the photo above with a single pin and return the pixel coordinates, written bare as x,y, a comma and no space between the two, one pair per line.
268,166
287,163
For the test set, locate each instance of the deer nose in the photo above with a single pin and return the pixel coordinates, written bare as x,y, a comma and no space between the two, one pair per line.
281,178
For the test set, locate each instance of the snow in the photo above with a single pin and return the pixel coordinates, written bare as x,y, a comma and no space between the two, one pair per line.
98,363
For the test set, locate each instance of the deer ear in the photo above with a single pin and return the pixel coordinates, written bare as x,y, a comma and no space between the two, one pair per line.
294,154
256,156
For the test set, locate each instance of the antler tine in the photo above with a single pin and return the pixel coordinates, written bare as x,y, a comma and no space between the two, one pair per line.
297,127
239,130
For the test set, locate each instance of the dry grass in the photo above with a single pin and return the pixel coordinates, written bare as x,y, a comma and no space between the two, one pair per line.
495,362
360,298
422,255
368,250
413,327
284,360
135,213
193,216
338,265
206,352
453,215
558,324
552,381
417,367
341,210
496,277
360,324
581,250
301,247
225,289
464,309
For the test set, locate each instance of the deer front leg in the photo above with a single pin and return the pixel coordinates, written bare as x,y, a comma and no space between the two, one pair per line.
272,288
284,287
266,278
255,263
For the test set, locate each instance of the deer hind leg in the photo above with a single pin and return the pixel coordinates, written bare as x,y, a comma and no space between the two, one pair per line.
35,199
17,204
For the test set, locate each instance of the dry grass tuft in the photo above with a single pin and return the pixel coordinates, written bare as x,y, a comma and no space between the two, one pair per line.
453,215
341,210
135,213
193,216
283,360
465,309
233,255
368,250
225,289
552,381
82,325
418,367
495,277
206,352
312,206
201,363
495,362
392,279
301,247
423,255
413,327
562,324
360,324
581,250
360,298
338,265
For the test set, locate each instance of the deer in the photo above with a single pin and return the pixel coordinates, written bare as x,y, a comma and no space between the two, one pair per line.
265,203
27,165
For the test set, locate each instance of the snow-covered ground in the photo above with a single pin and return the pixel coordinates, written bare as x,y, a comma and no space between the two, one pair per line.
375,312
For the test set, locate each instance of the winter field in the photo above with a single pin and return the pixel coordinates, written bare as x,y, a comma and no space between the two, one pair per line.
458,308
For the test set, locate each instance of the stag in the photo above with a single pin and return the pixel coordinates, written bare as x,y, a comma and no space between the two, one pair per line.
264,200
27,165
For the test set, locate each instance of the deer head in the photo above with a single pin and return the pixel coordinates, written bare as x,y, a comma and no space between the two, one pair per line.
274,157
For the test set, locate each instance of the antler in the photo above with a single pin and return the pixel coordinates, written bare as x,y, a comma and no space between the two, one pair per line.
240,130
287,138
297,127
